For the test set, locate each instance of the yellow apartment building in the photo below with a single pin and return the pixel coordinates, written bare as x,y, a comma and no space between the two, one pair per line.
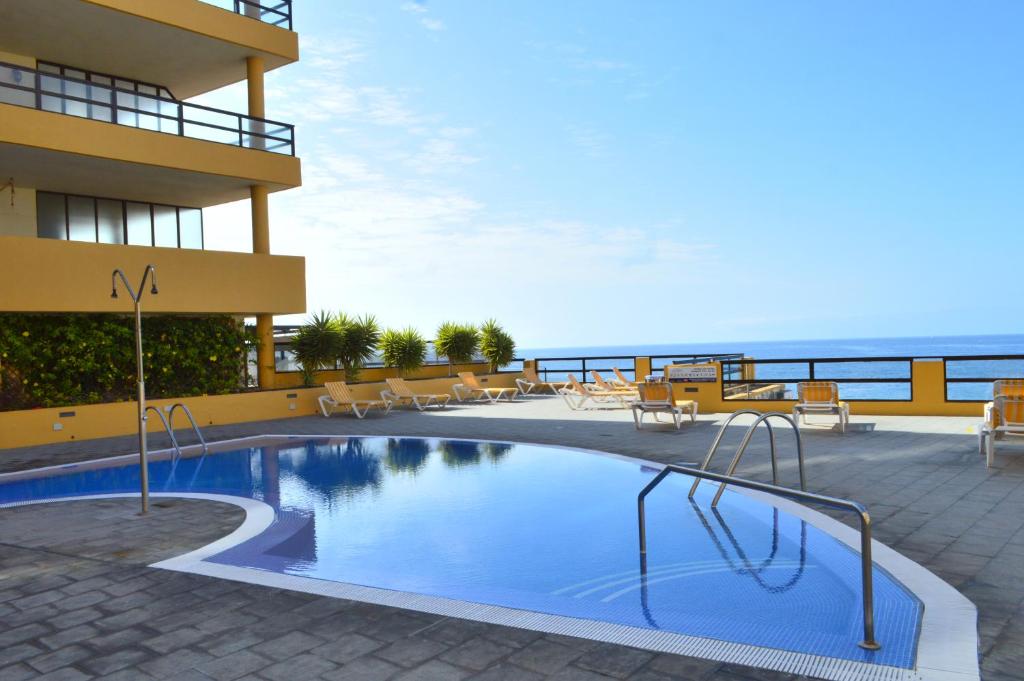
104,165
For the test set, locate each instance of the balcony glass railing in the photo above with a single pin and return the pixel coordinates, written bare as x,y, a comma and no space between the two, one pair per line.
34,89
273,12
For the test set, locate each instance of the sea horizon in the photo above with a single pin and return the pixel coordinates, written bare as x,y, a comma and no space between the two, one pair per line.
893,346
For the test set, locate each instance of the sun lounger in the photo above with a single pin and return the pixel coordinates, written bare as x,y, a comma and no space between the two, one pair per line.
659,398
399,392
531,381
577,395
622,380
1008,387
470,388
605,385
1006,418
820,397
339,398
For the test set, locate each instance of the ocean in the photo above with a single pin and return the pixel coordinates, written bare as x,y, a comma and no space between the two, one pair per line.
982,371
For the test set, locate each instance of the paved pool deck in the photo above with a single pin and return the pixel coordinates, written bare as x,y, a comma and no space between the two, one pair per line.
78,602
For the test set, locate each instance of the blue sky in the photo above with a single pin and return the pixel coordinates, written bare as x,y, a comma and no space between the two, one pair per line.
601,173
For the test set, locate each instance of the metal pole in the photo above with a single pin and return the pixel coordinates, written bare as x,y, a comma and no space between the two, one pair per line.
141,395
867,584
143,463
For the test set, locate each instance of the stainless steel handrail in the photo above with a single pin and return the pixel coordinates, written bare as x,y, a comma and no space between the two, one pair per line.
167,427
191,419
763,418
867,583
718,440
169,419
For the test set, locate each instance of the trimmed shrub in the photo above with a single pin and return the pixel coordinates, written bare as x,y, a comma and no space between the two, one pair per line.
61,360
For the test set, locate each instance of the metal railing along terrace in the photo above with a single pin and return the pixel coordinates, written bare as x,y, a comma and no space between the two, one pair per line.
277,13
45,91
968,378
557,368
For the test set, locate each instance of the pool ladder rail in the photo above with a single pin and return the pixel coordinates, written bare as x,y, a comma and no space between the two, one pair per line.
764,418
168,422
702,473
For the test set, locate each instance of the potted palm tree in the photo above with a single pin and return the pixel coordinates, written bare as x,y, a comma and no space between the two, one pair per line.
316,345
360,338
496,345
457,342
404,350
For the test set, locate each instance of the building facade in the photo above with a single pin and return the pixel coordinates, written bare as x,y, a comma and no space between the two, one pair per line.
104,164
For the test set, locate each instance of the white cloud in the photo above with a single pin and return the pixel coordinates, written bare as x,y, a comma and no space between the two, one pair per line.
414,7
387,227
420,9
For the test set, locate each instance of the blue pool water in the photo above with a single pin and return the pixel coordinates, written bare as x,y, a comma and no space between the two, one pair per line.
536,528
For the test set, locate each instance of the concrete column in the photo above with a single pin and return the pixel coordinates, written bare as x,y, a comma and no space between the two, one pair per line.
264,323
254,80
258,194
260,204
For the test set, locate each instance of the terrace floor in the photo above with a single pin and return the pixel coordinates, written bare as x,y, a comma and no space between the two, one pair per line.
78,602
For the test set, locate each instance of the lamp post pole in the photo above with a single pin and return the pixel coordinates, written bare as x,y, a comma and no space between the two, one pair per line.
137,299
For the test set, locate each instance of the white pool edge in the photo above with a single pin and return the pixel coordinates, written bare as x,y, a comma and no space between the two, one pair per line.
947,648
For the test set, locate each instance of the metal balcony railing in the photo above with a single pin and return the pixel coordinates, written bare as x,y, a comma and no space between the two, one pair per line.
275,13
22,86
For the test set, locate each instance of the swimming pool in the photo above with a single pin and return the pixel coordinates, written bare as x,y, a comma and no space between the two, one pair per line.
533,528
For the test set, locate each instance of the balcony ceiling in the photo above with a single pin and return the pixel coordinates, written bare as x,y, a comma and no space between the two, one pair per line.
77,174
188,46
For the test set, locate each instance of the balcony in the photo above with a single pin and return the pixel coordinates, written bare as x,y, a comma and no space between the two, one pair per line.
103,98
46,275
189,46
273,13
99,138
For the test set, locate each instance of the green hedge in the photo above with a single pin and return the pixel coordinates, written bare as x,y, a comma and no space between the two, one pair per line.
60,360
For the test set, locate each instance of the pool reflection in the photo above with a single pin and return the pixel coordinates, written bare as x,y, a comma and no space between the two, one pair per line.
406,454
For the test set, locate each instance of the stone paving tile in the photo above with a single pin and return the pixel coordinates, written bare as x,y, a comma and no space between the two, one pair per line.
613,660
544,656
410,652
287,646
347,648
17,672
434,670
506,672
168,665
930,495
65,674
364,669
477,653
64,657
234,665
302,666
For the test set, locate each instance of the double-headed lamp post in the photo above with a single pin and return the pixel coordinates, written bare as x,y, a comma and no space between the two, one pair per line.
137,299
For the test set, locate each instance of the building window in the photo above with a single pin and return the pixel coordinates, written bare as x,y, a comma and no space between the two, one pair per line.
112,221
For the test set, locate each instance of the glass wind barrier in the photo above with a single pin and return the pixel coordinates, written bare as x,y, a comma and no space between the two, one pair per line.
277,13
973,379
882,379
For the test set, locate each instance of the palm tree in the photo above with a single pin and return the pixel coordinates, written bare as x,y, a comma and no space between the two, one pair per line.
404,350
457,342
316,345
496,345
360,338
